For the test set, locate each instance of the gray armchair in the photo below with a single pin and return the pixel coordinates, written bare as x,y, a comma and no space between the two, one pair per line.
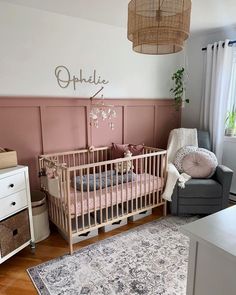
203,196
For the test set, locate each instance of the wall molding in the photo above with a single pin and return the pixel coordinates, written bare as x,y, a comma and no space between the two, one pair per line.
36,125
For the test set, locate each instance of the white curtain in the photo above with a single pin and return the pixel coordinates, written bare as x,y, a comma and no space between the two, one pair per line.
218,69
232,91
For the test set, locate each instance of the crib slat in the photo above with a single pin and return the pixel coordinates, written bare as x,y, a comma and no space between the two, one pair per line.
132,185
64,200
122,189
164,179
141,179
82,197
95,196
98,159
93,157
62,193
136,182
111,191
127,188
154,173
88,197
145,185
69,211
106,192
117,205
75,201
150,173
158,181
62,197
100,185
80,162
74,163
60,200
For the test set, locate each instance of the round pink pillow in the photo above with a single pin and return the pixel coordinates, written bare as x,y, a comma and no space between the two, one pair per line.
196,162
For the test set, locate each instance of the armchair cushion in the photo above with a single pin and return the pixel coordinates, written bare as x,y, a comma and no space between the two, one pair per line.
201,188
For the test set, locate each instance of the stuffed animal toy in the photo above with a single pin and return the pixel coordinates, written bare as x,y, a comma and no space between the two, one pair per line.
127,165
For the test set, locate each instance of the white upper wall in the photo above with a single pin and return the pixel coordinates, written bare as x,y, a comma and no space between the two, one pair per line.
195,56
34,42
206,14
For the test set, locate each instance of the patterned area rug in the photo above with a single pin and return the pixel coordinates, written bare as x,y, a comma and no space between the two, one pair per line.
150,259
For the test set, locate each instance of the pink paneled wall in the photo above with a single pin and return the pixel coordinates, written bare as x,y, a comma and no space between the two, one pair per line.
33,126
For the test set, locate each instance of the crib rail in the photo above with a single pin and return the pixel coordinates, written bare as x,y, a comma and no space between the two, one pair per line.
79,157
89,190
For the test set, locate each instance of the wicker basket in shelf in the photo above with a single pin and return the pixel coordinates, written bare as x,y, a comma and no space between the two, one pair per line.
14,232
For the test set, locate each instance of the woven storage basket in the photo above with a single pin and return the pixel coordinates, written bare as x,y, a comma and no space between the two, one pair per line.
14,232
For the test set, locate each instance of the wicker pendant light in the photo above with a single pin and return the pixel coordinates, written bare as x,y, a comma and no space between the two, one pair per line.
158,26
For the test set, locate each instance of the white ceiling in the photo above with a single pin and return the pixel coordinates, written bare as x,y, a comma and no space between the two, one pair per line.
206,14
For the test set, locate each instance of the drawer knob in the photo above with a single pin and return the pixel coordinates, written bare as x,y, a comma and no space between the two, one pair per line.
11,185
13,203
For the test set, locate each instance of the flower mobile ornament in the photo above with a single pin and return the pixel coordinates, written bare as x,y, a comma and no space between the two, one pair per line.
100,110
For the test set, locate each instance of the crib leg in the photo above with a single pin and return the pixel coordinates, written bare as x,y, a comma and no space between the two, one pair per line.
165,209
71,246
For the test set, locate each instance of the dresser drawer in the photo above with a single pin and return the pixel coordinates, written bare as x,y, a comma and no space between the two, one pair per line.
13,203
14,232
12,184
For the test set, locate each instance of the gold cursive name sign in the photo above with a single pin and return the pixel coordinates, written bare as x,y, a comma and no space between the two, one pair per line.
64,78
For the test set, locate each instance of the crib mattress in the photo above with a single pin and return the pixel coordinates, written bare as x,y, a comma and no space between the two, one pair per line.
117,194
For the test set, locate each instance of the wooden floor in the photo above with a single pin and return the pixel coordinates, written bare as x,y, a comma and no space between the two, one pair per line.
14,279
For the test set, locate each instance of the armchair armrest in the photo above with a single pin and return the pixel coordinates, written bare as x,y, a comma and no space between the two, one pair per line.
224,177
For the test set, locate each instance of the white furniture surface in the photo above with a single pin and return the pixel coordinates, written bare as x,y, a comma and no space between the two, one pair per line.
14,198
212,255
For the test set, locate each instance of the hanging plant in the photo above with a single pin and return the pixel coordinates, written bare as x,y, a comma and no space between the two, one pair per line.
179,88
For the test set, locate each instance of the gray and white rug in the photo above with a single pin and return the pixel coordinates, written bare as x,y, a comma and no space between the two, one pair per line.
150,259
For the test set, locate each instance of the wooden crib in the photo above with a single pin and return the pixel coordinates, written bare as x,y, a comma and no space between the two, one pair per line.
86,192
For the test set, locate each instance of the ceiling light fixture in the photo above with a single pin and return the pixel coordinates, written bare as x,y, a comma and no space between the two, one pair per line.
158,26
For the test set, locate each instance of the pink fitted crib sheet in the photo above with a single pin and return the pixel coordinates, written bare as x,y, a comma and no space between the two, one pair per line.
116,194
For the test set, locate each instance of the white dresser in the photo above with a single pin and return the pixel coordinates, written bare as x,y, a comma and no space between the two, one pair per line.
212,255
16,223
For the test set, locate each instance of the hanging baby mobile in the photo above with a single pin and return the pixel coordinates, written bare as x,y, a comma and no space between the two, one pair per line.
101,111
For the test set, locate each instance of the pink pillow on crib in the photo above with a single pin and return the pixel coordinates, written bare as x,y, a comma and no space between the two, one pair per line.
136,150
118,151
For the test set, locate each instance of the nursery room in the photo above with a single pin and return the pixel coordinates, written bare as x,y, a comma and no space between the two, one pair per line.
117,147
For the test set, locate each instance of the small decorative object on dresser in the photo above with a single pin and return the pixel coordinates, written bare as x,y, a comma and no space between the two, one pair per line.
8,158
16,223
